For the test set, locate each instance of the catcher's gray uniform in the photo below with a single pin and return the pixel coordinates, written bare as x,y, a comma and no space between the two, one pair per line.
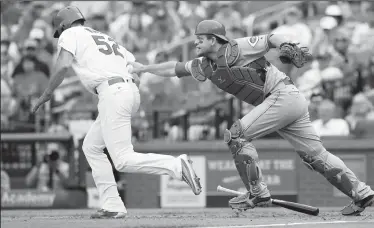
242,70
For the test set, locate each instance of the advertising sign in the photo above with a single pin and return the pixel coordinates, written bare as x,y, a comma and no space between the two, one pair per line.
24,198
175,193
278,169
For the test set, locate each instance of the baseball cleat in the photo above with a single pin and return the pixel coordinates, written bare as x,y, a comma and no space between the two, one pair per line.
104,214
249,201
188,174
355,208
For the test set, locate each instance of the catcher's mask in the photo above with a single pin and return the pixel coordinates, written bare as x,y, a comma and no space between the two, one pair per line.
65,18
211,27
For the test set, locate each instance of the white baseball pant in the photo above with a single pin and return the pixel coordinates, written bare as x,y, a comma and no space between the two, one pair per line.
112,129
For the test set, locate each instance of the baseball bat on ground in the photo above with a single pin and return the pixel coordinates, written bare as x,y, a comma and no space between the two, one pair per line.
222,189
306,209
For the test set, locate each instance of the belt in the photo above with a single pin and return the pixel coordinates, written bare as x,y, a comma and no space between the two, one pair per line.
112,82
286,81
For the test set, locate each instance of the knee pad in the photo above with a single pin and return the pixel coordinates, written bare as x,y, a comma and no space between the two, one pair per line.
332,168
235,131
233,137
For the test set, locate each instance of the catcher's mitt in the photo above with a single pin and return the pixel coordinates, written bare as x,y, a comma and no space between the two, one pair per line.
291,53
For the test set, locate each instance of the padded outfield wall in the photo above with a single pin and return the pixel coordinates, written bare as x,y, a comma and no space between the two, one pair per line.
288,178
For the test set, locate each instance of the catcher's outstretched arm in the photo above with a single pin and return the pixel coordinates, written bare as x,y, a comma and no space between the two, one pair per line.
166,69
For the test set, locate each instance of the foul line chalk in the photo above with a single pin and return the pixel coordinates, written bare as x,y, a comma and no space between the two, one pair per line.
288,224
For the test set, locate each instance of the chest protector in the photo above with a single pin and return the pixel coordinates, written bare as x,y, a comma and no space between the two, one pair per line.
244,82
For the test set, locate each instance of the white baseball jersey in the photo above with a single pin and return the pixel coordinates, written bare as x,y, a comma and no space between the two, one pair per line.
97,56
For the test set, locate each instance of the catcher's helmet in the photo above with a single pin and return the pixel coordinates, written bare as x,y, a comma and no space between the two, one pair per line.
64,18
211,27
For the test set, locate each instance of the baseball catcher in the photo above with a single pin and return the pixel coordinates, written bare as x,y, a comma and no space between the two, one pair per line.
238,67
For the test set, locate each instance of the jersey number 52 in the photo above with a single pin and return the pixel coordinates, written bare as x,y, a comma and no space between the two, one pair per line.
105,47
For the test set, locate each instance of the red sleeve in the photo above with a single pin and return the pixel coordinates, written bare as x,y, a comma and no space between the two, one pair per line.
182,69
254,47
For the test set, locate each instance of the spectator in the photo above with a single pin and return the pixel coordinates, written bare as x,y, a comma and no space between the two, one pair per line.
30,80
336,12
5,180
129,28
50,174
164,27
195,132
221,121
236,32
153,87
322,36
339,51
336,66
369,73
341,77
92,8
178,30
175,133
361,109
363,40
29,51
192,13
327,124
8,105
355,13
135,38
59,125
310,82
30,67
363,31
42,46
315,102
7,61
98,22
295,27
140,125
227,15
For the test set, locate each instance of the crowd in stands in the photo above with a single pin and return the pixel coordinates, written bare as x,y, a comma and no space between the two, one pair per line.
338,83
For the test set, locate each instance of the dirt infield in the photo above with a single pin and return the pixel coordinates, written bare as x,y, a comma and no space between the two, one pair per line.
213,218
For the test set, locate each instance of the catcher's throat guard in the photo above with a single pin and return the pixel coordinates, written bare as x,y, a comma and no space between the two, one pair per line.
244,82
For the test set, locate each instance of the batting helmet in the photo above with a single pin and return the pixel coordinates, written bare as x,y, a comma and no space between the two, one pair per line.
211,27
64,18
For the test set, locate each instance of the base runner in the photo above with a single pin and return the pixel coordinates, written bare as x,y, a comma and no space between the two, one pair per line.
100,64
239,67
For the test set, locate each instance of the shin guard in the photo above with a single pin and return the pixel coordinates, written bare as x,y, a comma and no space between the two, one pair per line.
336,172
245,156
